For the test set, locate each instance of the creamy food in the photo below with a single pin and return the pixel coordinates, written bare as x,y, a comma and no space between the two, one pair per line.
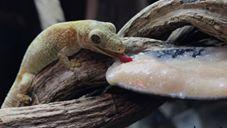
195,73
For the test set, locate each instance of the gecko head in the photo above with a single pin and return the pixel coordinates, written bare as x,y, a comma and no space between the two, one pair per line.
105,40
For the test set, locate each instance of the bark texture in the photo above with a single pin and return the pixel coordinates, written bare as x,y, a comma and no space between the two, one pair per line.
90,107
161,18
86,112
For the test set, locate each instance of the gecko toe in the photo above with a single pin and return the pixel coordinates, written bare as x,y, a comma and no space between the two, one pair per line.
24,99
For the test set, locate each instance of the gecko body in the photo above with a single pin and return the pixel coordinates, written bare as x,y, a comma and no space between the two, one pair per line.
58,42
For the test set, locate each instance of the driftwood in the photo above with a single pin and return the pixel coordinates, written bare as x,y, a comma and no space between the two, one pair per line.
100,111
88,109
87,106
161,18
191,36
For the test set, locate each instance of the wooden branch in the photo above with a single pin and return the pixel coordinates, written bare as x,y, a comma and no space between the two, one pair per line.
57,83
100,111
181,34
161,18
191,36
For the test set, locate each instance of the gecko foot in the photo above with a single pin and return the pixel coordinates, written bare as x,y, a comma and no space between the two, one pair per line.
69,64
24,99
75,64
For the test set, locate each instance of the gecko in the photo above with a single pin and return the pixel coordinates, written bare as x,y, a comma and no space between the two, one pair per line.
58,42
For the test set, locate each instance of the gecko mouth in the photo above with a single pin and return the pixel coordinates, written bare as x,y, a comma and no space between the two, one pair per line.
109,53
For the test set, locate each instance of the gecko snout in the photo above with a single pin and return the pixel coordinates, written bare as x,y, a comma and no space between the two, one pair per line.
118,46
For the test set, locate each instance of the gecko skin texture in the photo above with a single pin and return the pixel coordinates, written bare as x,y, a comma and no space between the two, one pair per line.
58,42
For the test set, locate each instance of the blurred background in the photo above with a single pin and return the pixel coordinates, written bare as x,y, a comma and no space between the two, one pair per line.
22,20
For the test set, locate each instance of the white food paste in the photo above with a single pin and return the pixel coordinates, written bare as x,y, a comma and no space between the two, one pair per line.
184,76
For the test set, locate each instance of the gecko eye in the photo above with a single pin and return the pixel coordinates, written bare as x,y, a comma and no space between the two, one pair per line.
95,39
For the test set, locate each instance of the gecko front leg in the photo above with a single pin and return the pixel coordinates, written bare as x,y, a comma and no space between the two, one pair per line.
25,85
63,58
17,95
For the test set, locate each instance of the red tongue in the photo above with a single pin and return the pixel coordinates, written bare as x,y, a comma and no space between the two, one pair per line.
125,58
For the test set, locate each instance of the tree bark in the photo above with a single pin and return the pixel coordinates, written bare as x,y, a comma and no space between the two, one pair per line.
86,112
87,106
161,18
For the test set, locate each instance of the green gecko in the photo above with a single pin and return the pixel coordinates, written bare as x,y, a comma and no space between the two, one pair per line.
58,42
